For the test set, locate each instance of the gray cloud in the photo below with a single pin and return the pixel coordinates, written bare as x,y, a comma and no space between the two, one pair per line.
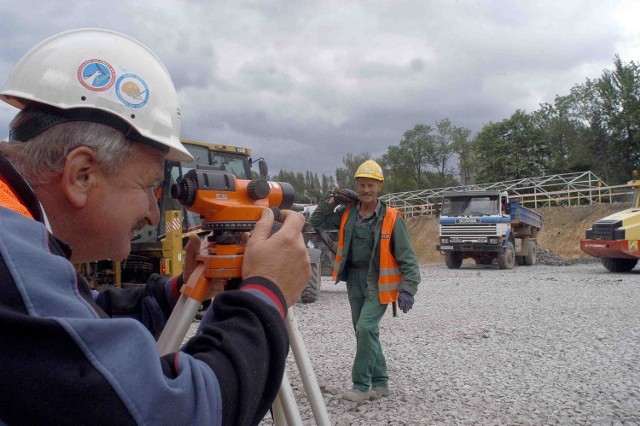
304,83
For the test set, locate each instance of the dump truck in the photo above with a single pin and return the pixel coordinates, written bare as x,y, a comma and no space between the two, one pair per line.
487,227
615,239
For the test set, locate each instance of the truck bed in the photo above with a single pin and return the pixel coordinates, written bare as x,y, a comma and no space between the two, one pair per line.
521,214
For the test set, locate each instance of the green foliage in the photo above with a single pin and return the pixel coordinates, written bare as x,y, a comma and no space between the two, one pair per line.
344,175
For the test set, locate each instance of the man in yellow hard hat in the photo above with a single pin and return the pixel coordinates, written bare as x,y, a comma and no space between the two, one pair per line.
375,258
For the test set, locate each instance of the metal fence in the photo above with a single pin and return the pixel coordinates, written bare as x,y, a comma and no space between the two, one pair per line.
569,189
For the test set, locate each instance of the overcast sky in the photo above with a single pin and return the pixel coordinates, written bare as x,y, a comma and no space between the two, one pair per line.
305,82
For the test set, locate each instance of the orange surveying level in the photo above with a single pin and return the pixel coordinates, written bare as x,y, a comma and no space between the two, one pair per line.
230,207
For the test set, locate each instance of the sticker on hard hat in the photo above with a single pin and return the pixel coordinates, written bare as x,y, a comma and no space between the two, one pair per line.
132,91
96,75
367,170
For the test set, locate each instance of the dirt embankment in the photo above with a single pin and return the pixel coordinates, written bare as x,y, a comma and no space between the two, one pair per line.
562,229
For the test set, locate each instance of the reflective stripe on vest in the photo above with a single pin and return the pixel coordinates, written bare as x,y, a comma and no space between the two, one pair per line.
390,277
10,200
340,247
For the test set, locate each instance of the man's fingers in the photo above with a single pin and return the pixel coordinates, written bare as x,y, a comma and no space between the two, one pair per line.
293,221
193,245
262,230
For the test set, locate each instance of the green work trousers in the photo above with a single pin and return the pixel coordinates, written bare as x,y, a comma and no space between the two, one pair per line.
369,366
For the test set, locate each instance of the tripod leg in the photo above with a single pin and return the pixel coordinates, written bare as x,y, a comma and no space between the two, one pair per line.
183,314
285,409
178,324
306,371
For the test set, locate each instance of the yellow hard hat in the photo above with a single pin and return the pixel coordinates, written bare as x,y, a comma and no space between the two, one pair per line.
369,169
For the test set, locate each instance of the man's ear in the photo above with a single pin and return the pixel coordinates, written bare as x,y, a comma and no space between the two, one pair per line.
79,175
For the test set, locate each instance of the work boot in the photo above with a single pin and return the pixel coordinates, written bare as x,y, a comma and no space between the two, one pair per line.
378,392
356,395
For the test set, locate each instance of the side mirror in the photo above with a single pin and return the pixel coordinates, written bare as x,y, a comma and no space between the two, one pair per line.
262,167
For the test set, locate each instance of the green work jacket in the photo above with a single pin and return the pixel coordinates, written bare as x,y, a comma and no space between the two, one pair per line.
328,217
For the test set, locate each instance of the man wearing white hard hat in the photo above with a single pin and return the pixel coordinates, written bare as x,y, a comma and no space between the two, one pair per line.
98,116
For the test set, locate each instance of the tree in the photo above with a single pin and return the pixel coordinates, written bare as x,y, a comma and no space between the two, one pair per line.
407,162
449,140
619,91
511,149
344,175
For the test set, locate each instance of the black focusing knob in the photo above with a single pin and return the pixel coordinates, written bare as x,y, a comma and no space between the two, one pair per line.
258,189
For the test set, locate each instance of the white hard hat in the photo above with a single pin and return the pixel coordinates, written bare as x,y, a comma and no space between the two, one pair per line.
101,76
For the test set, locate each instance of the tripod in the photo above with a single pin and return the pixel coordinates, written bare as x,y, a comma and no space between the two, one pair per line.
219,262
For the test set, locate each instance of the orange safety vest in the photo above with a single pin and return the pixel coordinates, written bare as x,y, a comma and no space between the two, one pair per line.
389,277
10,200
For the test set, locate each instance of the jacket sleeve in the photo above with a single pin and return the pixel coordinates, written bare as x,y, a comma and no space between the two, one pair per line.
326,216
151,304
108,370
406,258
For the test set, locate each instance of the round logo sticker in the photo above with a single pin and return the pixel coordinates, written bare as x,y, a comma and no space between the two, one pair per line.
96,75
132,90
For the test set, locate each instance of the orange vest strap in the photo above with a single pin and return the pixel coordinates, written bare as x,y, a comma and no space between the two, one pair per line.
338,259
10,200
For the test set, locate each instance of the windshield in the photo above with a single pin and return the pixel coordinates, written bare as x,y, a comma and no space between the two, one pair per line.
470,206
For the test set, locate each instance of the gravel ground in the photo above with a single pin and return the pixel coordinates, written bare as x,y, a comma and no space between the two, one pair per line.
556,343
533,345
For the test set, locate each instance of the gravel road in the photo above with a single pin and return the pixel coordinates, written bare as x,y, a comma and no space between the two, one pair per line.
534,345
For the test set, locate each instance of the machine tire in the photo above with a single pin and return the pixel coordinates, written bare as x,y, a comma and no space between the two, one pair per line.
507,259
618,265
532,254
311,293
453,260
520,260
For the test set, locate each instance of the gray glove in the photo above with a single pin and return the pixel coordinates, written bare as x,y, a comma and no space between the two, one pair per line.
405,301
344,196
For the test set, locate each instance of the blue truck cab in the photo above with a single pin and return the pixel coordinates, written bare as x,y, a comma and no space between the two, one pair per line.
488,227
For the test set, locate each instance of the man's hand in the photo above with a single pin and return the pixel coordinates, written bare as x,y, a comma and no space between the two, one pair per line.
193,247
405,301
344,196
281,257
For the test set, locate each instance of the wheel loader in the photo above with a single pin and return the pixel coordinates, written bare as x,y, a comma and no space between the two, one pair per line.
615,239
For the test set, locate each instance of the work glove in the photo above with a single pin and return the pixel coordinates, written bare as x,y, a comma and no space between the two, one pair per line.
344,196
405,301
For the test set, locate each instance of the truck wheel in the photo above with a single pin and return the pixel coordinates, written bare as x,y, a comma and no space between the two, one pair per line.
532,256
507,259
519,260
453,260
619,265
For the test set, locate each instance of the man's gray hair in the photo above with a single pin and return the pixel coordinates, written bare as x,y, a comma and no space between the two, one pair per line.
44,155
